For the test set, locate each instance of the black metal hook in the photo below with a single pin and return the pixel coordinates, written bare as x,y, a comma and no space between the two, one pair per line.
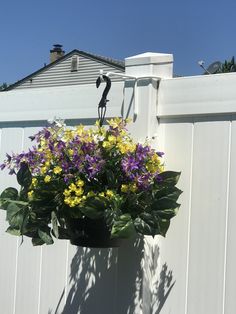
103,102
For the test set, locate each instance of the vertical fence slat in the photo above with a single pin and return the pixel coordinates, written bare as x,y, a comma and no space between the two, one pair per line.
170,283
53,278
208,217
230,285
28,275
11,140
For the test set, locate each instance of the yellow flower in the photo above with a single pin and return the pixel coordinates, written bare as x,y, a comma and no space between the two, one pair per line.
132,187
154,164
57,170
109,193
43,170
47,179
73,201
47,163
97,123
68,135
124,188
79,182
80,130
106,144
79,192
42,142
111,139
70,152
66,192
30,194
102,194
34,182
72,187
115,123
48,154
125,148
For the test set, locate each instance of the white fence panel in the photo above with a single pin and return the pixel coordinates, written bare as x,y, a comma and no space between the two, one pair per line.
204,109
230,285
192,270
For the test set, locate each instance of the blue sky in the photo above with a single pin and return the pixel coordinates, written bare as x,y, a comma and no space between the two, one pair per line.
191,30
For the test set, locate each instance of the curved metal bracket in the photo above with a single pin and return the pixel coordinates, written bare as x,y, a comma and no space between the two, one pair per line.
103,102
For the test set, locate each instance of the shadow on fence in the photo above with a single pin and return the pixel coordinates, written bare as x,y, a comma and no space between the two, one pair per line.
162,289
111,281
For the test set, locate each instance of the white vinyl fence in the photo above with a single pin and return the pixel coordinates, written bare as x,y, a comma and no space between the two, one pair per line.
191,271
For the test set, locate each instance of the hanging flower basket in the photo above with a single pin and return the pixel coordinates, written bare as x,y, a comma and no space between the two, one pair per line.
92,186
90,233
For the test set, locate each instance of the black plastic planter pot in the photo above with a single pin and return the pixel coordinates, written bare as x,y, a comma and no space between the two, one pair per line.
92,233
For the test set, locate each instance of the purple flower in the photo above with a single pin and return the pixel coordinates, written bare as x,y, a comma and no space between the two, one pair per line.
129,164
93,165
160,154
2,166
143,181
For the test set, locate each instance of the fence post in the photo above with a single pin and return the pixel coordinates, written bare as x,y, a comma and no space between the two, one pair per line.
140,103
147,68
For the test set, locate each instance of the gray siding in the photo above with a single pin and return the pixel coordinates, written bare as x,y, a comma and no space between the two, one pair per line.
61,75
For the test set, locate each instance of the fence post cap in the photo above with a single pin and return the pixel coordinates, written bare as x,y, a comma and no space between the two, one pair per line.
149,58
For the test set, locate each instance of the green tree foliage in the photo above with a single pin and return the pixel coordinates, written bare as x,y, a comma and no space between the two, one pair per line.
227,66
3,86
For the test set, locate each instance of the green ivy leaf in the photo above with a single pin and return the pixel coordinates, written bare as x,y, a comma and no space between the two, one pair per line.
144,227
123,227
8,194
164,203
24,177
13,231
45,236
94,208
169,177
54,224
147,223
171,192
37,241
12,210
165,208
164,226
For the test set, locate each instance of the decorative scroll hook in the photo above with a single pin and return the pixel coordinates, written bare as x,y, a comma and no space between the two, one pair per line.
103,102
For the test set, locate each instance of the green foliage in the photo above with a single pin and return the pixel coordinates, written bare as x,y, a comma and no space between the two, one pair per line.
94,208
227,66
3,86
72,184
123,227
40,218
24,177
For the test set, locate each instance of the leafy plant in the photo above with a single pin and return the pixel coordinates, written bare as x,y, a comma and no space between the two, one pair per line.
227,66
3,86
75,179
